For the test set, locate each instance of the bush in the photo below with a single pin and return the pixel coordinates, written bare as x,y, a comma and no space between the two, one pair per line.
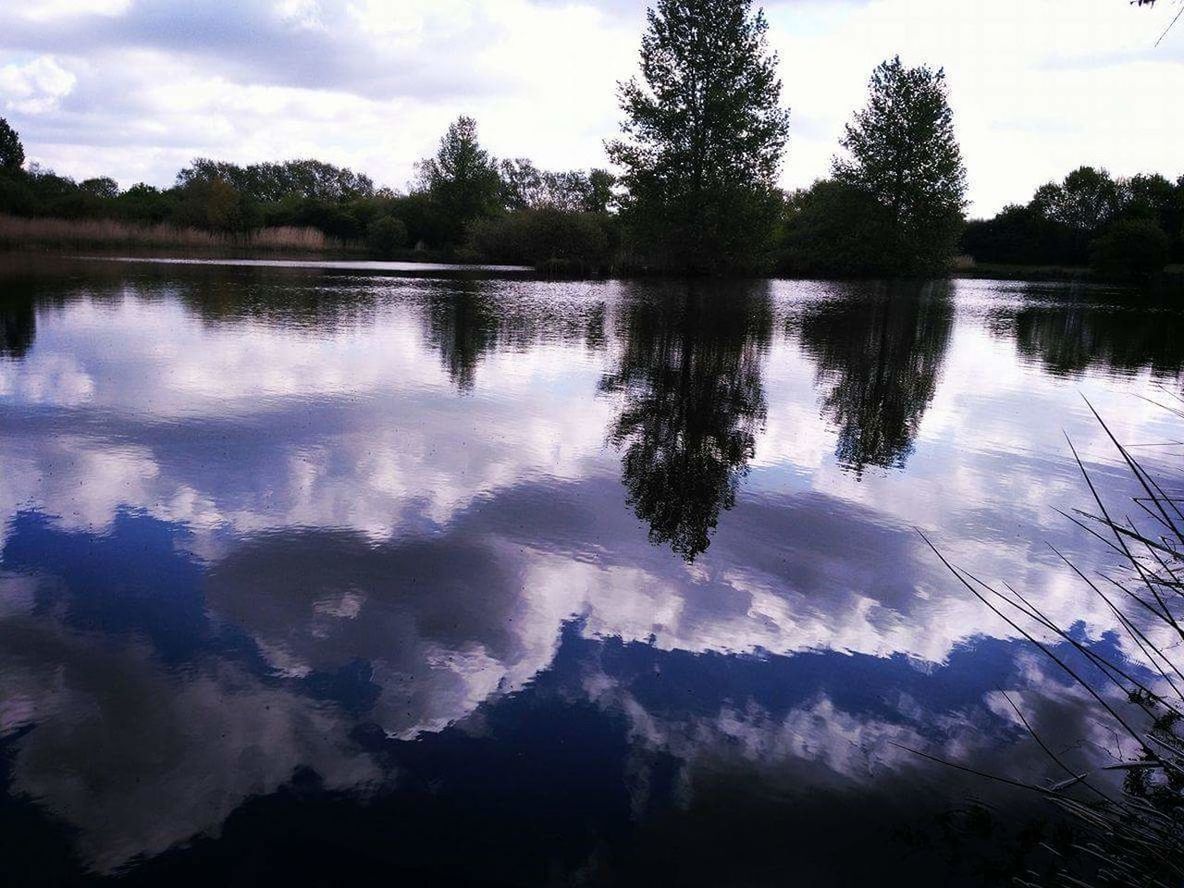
579,242
16,196
1020,236
835,230
386,235
1130,250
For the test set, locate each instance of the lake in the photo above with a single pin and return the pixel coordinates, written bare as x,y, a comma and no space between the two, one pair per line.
341,573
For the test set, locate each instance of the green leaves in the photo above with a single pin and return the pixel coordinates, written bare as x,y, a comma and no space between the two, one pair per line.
904,153
12,153
704,136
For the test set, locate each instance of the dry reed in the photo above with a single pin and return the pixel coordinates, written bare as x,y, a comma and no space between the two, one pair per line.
18,232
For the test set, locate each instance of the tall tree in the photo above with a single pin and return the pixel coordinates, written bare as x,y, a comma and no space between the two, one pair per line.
12,154
903,151
704,136
462,179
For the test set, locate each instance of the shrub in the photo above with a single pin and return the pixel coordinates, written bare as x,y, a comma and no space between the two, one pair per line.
546,236
835,230
385,235
1130,250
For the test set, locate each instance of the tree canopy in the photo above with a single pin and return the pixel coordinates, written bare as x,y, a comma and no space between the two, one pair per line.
461,178
902,150
1070,223
704,134
12,153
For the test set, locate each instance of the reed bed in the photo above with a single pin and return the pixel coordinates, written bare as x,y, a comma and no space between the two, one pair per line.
45,233
1133,836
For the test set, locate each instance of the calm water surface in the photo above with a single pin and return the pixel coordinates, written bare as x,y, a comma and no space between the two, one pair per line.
333,574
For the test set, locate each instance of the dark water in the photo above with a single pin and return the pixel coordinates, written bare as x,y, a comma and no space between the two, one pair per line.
338,576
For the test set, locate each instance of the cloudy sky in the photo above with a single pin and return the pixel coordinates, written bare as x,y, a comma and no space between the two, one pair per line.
136,88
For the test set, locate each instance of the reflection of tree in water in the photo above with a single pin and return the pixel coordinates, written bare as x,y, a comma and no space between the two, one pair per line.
880,354
463,325
690,377
18,326
467,320
1071,337
289,299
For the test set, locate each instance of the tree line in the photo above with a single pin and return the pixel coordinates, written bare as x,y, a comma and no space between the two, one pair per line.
701,150
1122,227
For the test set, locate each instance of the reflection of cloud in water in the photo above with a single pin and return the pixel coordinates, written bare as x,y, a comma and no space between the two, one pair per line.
374,549
435,618
139,758
447,621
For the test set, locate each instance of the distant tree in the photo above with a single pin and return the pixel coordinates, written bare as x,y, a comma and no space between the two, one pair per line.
523,183
1017,235
704,136
386,235
146,203
903,151
525,186
103,186
1130,250
1087,200
215,204
289,180
600,191
1083,204
462,179
12,153
1155,198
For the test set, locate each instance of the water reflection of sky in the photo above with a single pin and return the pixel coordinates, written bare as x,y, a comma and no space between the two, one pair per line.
593,569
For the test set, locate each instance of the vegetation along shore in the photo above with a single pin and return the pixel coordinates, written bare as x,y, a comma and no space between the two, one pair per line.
695,190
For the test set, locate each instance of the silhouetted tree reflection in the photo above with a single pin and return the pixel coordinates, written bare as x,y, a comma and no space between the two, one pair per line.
291,300
692,403
879,355
1071,337
469,319
18,327
463,325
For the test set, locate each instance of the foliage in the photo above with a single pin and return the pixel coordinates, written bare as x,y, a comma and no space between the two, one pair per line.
1086,201
461,179
904,153
1064,220
547,236
12,153
104,186
525,186
704,136
286,181
215,204
386,235
1130,250
833,229
1018,235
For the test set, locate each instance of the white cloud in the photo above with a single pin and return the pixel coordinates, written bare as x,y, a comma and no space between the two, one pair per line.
35,87
1038,87
45,10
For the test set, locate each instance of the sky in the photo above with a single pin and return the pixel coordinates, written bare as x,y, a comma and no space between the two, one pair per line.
135,89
